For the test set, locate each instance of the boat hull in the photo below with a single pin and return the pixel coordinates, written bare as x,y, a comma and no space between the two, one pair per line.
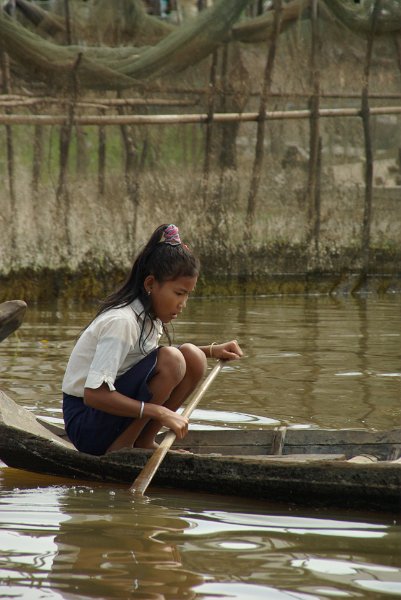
309,477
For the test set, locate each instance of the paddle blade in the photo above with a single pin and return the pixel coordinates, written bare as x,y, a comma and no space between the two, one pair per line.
140,485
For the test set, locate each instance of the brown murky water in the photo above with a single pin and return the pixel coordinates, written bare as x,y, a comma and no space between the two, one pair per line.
309,361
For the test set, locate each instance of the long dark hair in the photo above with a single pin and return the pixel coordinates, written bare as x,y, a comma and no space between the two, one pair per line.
160,259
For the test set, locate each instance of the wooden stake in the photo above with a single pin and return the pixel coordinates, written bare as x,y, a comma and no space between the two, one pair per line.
5,73
131,177
365,113
259,147
209,129
315,139
37,157
101,161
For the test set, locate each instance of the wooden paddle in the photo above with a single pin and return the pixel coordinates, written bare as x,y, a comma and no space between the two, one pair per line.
146,475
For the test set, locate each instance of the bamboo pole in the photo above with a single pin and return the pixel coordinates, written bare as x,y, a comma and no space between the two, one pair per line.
259,149
5,72
397,43
101,160
165,119
62,196
65,136
105,102
209,128
130,175
315,139
14,100
317,201
81,158
228,138
37,157
68,33
365,114
226,191
224,143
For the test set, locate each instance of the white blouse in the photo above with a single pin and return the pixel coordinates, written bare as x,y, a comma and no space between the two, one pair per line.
108,347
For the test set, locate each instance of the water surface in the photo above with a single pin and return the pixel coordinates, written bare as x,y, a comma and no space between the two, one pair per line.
311,362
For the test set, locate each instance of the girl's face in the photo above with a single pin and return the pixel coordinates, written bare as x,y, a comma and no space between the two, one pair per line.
169,298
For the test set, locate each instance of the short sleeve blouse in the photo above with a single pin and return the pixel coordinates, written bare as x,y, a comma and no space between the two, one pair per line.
110,346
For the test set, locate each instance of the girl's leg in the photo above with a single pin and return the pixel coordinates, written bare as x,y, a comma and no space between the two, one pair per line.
169,372
177,373
195,362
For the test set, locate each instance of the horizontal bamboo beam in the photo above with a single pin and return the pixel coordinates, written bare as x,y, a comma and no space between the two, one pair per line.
189,118
199,92
21,101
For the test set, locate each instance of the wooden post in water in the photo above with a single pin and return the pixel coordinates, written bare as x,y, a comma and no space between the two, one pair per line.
6,84
101,159
37,157
65,140
68,32
65,134
365,114
209,129
260,133
315,142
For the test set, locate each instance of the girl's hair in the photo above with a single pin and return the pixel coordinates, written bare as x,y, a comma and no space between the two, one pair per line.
165,261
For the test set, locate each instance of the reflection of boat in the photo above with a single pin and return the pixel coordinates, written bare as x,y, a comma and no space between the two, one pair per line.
350,467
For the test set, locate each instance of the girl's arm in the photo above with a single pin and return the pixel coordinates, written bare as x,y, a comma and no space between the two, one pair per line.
226,351
115,403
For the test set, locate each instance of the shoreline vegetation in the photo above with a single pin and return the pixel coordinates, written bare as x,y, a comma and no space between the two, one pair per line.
303,198
89,282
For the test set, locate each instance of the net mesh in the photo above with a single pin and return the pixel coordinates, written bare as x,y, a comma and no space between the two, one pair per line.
105,67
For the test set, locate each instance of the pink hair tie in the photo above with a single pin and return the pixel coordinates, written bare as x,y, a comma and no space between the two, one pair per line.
171,236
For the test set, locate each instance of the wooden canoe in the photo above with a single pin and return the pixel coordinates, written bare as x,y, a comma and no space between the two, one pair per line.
12,313
340,468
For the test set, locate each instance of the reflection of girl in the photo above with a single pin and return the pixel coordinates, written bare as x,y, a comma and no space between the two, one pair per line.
120,387
130,548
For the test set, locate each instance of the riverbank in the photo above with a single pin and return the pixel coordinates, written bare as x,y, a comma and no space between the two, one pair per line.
83,246
257,273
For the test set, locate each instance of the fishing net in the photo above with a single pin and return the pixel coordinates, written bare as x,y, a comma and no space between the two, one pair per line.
115,68
94,22
358,16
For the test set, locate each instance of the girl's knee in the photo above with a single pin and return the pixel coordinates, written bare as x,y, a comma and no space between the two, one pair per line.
172,363
195,360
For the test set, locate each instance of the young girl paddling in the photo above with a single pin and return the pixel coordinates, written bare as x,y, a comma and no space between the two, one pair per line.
120,387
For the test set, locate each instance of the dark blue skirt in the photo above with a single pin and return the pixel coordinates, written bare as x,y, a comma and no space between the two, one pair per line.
92,430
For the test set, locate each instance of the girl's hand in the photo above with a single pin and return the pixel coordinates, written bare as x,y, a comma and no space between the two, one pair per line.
226,351
176,423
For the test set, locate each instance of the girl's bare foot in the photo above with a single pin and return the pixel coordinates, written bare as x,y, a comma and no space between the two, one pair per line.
152,446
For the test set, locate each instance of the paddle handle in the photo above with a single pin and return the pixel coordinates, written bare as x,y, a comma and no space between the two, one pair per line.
146,475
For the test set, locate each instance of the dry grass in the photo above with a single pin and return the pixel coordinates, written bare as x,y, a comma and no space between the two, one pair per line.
88,228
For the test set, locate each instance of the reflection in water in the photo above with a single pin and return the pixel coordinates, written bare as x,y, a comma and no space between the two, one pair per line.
368,401
112,550
310,361
98,542
105,544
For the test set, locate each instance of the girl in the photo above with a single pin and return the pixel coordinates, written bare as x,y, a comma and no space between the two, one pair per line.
120,387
